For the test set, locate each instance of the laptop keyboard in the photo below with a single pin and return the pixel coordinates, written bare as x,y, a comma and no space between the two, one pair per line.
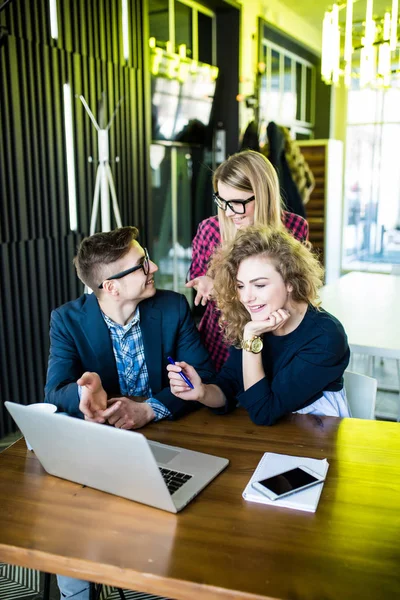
174,479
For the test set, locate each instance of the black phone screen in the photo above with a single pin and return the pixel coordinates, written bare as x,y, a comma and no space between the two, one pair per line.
288,481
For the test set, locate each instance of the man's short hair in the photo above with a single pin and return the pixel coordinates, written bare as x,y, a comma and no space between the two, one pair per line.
98,251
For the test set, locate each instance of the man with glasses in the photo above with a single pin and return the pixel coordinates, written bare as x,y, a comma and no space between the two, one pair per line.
109,349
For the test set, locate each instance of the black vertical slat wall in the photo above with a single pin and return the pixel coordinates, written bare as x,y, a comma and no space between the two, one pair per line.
36,242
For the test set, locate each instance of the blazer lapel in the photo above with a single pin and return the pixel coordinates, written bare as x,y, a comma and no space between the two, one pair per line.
98,336
151,327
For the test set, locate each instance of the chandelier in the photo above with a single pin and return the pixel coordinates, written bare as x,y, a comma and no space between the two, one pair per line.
362,45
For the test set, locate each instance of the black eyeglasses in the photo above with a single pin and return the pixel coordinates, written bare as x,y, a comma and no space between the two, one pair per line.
236,206
145,265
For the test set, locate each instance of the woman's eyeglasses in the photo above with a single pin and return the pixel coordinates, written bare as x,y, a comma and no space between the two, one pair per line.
236,206
145,265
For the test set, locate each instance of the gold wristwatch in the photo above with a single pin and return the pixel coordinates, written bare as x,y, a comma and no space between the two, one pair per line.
254,344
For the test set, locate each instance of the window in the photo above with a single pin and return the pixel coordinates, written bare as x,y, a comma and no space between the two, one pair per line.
286,90
183,27
159,21
187,23
181,111
372,180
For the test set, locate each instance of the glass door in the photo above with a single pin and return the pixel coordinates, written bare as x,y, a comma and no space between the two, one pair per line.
171,169
183,80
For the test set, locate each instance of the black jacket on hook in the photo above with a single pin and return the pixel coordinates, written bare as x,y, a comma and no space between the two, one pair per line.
250,137
289,191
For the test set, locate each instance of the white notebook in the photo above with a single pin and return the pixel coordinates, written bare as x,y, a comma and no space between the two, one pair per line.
272,464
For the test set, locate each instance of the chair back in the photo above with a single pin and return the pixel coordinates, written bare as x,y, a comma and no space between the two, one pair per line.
361,394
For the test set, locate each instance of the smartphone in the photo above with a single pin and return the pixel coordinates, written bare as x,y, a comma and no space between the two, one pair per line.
286,483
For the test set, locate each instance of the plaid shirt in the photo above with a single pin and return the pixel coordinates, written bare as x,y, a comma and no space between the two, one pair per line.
207,238
132,370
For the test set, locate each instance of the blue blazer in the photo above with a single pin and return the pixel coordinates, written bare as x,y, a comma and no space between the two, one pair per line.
80,341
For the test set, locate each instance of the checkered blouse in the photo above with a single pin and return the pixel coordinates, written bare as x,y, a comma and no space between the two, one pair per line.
207,238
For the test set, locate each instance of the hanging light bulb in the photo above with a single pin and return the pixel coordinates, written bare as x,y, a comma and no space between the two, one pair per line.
348,43
384,57
347,75
326,59
393,25
368,51
368,55
335,44
376,51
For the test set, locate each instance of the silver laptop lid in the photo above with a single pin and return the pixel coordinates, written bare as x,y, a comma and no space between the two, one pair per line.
112,460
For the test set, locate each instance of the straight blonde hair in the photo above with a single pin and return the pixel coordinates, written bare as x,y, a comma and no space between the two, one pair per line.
250,171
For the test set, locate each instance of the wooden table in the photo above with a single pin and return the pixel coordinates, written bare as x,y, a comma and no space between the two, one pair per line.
221,546
367,304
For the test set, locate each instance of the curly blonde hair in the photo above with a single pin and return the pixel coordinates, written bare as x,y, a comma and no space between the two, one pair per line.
293,260
250,171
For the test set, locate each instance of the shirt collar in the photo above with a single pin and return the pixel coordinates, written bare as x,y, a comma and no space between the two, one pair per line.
122,329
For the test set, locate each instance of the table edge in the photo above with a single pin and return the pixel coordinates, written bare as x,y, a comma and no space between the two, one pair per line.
127,578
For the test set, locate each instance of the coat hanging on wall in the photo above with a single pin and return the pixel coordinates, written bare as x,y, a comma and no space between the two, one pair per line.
250,137
295,177
299,167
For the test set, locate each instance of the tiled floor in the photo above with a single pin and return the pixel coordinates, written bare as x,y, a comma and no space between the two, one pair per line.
387,408
17,583
9,439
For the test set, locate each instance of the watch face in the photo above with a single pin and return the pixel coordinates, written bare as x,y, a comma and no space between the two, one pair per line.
257,345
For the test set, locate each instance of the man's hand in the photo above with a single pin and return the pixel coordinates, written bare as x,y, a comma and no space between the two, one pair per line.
204,286
93,402
130,414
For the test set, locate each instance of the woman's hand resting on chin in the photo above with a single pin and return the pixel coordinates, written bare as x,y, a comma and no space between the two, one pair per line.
275,321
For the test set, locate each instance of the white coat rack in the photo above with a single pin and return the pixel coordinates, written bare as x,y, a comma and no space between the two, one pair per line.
104,179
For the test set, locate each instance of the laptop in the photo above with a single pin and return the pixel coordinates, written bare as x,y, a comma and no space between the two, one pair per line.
116,461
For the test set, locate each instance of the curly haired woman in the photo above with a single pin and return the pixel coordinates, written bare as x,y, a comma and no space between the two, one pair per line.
287,355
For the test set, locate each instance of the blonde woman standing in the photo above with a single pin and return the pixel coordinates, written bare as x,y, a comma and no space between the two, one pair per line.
246,191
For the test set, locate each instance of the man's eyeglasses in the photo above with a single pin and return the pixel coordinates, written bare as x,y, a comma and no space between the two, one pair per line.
145,265
236,206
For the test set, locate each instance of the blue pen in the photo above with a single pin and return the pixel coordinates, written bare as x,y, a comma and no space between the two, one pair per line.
185,379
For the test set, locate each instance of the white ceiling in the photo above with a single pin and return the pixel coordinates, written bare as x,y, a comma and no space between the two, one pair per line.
310,10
